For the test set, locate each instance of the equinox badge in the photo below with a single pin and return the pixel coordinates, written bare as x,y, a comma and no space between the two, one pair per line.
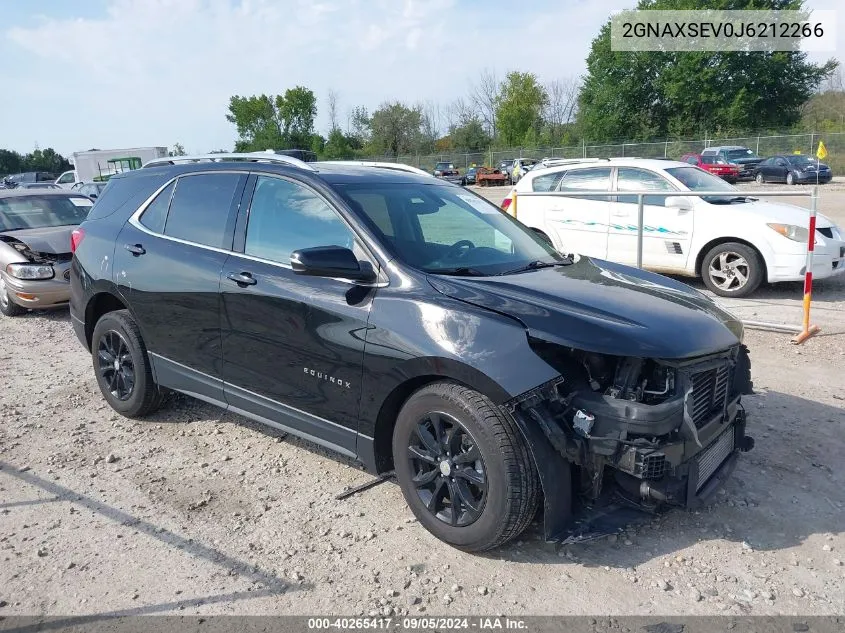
321,376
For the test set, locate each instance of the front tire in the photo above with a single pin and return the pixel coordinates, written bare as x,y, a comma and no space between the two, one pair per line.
790,178
8,307
464,469
122,367
759,178
732,270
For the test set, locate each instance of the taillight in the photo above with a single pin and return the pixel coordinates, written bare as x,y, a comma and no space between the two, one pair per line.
506,203
76,239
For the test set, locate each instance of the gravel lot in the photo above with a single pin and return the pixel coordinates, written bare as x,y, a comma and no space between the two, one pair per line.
200,511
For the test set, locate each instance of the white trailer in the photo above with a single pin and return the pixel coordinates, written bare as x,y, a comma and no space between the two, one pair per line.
94,164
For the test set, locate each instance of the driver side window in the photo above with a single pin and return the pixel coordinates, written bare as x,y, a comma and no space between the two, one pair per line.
285,217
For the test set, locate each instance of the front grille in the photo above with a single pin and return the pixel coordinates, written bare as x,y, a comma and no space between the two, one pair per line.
827,231
714,456
709,391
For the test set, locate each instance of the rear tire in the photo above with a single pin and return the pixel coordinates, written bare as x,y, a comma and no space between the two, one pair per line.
732,270
478,457
122,367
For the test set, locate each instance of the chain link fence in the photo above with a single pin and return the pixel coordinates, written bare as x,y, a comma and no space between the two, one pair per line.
762,146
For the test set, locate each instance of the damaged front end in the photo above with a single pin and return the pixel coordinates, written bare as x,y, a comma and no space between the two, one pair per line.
647,433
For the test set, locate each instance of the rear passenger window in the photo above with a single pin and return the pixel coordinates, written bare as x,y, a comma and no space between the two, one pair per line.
155,214
285,217
593,179
547,182
200,208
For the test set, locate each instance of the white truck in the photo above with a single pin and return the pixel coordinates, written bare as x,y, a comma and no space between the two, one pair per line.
94,165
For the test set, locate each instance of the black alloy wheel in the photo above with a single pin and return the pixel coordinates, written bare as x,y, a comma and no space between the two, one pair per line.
115,366
449,473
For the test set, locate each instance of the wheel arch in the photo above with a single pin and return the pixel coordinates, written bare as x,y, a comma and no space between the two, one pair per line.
699,258
379,457
98,305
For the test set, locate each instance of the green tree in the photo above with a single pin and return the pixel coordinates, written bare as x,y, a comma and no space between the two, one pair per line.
178,150
45,160
519,107
339,146
470,136
395,129
656,94
10,162
274,122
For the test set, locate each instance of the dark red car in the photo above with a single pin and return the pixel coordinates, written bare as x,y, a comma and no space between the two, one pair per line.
709,163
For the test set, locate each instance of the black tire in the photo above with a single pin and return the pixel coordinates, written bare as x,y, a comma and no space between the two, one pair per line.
790,178
8,307
144,395
759,178
746,261
511,491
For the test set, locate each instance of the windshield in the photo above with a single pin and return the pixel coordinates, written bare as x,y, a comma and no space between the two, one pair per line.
35,212
733,154
439,229
696,179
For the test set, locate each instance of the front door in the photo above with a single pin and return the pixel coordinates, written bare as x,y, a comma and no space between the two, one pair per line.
293,344
579,224
667,232
168,262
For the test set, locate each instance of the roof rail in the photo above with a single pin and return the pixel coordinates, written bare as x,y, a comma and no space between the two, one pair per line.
367,163
268,157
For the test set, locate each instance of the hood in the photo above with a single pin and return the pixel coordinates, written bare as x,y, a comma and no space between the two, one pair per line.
54,240
602,307
746,161
781,213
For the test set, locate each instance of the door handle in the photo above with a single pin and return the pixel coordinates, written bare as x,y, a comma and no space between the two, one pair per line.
242,279
135,249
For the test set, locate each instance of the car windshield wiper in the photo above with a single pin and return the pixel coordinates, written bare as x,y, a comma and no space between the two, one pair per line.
537,264
460,271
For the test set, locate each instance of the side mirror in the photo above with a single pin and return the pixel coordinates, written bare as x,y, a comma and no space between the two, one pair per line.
681,203
331,261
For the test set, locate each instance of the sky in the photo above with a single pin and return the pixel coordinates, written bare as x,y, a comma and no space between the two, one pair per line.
130,73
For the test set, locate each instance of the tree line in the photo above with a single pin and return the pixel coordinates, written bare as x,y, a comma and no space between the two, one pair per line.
12,162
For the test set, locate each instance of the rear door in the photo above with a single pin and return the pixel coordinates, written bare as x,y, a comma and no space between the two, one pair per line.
168,261
580,224
667,233
293,344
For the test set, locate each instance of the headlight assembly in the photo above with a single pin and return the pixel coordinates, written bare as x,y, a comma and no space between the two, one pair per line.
30,271
790,231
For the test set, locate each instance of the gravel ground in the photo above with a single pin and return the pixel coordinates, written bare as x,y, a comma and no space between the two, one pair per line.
199,511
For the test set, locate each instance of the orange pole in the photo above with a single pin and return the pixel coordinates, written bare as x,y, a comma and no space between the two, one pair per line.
807,330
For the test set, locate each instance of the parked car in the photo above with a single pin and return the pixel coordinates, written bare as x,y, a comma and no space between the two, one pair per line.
35,230
713,164
733,241
67,179
90,189
448,172
39,185
411,325
469,176
738,155
520,167
793,169
31,176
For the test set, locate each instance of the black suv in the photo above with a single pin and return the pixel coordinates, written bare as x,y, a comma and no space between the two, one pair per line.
412,325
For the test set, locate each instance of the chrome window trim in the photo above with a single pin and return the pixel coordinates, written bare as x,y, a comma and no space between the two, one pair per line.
135,221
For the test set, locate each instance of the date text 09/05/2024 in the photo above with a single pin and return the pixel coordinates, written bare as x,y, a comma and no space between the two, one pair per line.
418,623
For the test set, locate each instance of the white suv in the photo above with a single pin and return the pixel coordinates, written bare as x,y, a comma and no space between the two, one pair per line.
734,242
